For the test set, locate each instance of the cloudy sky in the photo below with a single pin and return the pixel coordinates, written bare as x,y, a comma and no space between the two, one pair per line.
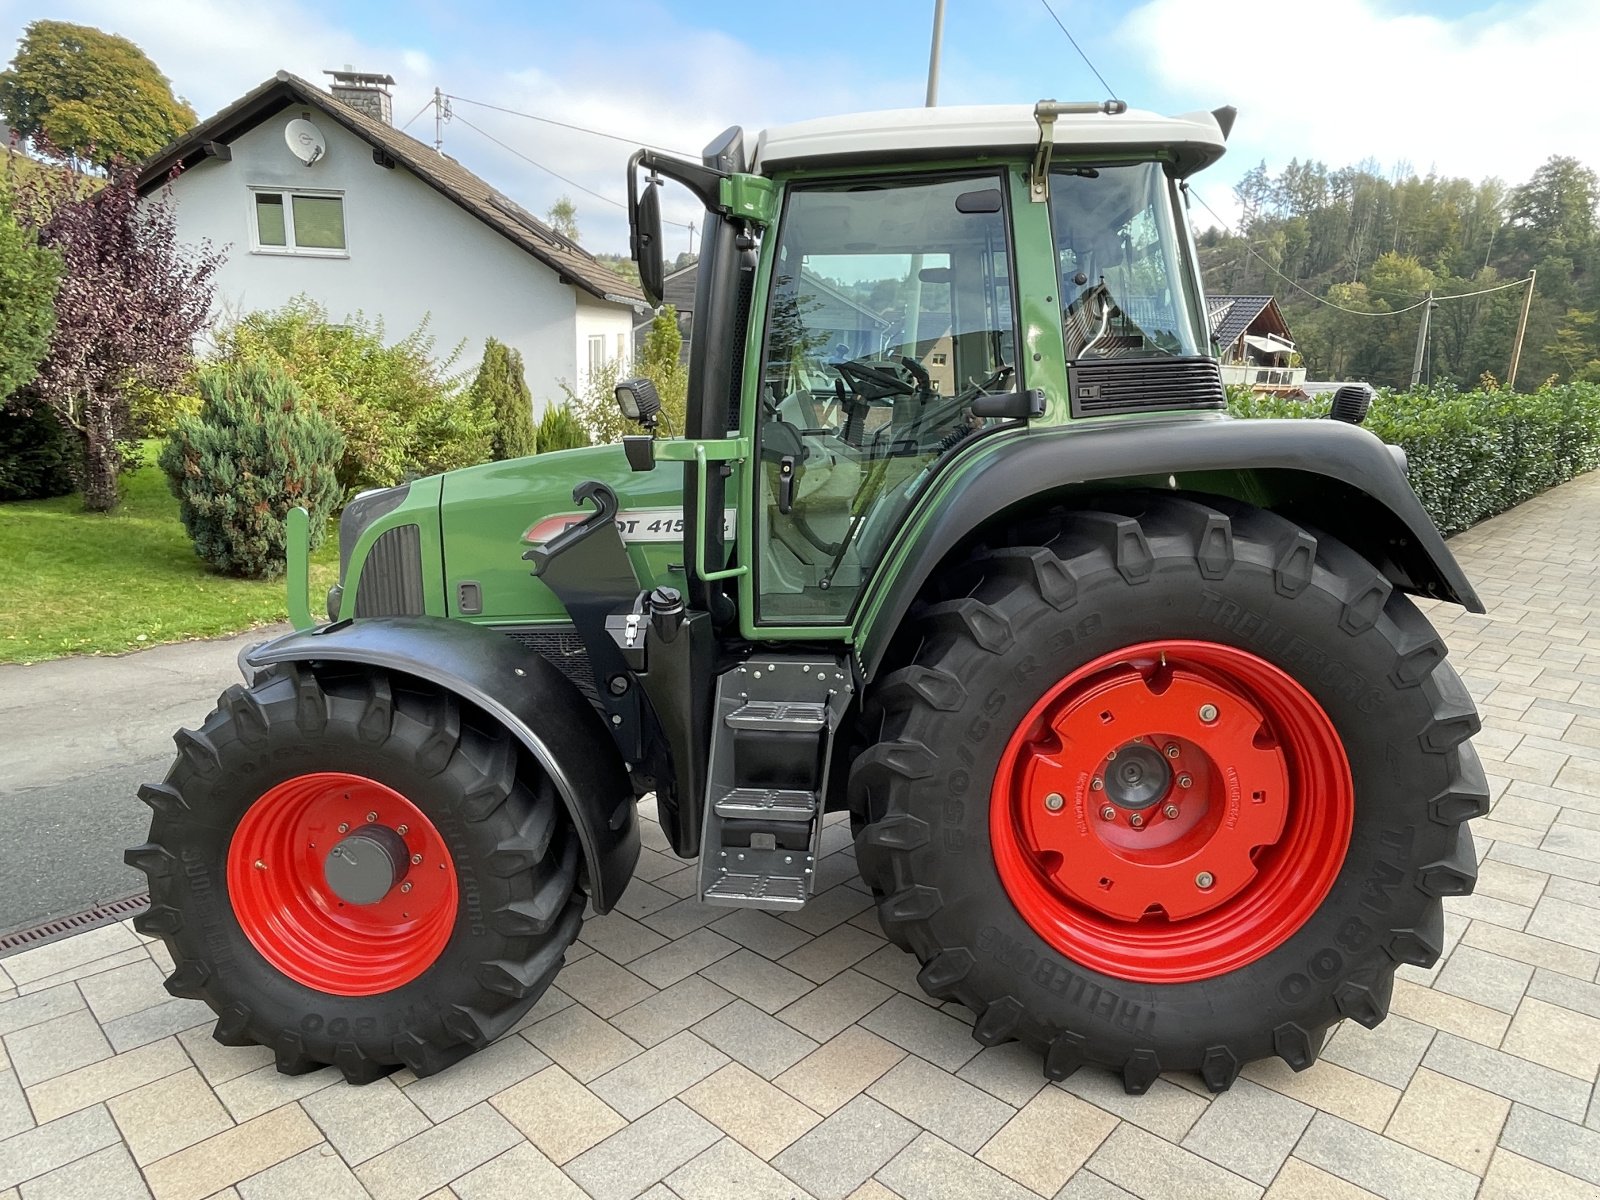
1457,86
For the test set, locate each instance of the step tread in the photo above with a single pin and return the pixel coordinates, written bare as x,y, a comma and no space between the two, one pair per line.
771,804
779,715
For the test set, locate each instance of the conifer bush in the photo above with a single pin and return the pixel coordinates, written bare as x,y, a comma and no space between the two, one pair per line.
256,449
502,389
560,429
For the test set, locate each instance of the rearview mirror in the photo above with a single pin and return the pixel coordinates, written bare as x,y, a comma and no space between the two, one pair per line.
647,242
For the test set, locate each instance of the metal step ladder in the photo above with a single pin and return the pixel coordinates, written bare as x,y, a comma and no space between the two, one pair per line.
770,750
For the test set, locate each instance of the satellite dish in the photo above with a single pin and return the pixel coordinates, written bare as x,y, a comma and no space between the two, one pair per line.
305,140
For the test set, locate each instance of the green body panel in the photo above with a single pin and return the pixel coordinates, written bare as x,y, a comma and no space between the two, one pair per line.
486,510
420,508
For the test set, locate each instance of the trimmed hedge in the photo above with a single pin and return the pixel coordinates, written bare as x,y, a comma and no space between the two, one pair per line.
1472,454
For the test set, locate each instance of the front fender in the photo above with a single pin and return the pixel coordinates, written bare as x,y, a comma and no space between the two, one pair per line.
520,689
1328,474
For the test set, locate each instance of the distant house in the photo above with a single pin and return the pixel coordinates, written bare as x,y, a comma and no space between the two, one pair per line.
316,193
853,329
1255,344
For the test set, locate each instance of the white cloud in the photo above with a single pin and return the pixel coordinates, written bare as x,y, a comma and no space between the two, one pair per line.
1492,93
216,50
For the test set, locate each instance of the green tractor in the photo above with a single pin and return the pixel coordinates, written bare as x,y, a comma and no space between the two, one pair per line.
1150,758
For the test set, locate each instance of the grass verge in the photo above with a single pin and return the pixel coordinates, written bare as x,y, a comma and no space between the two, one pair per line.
73,582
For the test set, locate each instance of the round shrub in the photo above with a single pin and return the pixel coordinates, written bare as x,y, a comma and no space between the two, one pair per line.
257,449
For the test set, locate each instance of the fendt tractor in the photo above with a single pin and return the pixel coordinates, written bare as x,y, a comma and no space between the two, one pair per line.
1150,758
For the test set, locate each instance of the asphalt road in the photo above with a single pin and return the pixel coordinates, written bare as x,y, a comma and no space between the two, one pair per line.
77,738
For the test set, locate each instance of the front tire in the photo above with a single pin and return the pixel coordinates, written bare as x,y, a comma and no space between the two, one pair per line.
1071,898
320,960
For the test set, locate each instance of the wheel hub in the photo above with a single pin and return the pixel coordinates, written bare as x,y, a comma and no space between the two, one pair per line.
362,868
1136,777
1203,806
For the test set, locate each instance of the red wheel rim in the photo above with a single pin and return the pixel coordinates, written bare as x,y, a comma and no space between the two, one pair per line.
287,909
1172,811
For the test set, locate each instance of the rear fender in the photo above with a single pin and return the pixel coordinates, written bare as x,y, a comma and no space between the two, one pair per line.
1327,474
520,689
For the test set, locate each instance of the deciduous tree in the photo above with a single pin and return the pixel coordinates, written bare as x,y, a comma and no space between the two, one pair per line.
93,95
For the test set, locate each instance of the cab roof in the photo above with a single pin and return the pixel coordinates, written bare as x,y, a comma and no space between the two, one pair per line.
966,131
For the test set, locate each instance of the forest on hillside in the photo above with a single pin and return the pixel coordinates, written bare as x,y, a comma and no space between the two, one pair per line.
1338,246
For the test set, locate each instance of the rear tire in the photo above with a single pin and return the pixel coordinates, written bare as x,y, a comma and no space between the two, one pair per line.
498,933
1075,592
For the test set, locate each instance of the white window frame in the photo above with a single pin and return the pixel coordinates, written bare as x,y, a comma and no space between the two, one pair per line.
288,194
595,341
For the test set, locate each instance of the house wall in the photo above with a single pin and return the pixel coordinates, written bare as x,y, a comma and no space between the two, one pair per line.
412,253
611,323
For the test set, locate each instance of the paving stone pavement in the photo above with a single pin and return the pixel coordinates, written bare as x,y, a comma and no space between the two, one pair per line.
694,1052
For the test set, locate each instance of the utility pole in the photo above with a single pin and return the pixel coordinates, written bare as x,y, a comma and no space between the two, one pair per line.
933,53
1422,341
1522,328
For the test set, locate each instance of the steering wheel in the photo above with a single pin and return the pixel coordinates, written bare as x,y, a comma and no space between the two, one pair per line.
874,383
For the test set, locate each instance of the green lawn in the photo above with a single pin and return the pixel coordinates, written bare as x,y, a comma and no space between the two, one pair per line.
73,582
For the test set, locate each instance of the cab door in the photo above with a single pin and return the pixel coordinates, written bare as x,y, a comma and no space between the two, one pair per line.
889,312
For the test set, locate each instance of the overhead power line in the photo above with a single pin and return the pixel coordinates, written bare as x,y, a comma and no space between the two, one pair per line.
600,133
564,179
1111,91
1355,312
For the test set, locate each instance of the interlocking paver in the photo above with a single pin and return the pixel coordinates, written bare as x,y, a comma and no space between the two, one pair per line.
761,932
232,1155
104,1079
437,1155
55,1047
1331,1088
108,1174
1008,1072
837,1004
1250,1130
558,1114
1553,1142
727,1171
1051,1136
486,1073
1558,1037
265,1089
1512,1177
1488,979
749,1036
1166,1110
582,1043
649,1149
364,1122
315,1174
672,1010
1384,1167
1450,1120
839,1070
758,1115
937,1037
520,1172
1150,1167
959,1113
658,1074
838,1155
1299,1180
169,1115
1389,1053
27,1155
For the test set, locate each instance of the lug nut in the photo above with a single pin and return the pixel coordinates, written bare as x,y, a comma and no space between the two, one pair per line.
1097,783
402,830
1054,802
344,826
405,887
260,866
1204,880
415,859
1136,821
1108,813
1184,781
1208,713
1170,812
1110,756
372,816
1172,749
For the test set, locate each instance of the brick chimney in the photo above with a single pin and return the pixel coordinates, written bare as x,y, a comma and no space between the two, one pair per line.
367,93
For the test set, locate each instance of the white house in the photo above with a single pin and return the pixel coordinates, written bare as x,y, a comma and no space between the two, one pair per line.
318,194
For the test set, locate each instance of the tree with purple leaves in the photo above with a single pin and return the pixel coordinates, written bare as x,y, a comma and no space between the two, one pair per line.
131,301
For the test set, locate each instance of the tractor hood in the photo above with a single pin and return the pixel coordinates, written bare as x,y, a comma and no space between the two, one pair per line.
490,514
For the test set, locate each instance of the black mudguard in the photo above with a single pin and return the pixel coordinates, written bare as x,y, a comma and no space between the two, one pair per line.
1326,474
522,691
